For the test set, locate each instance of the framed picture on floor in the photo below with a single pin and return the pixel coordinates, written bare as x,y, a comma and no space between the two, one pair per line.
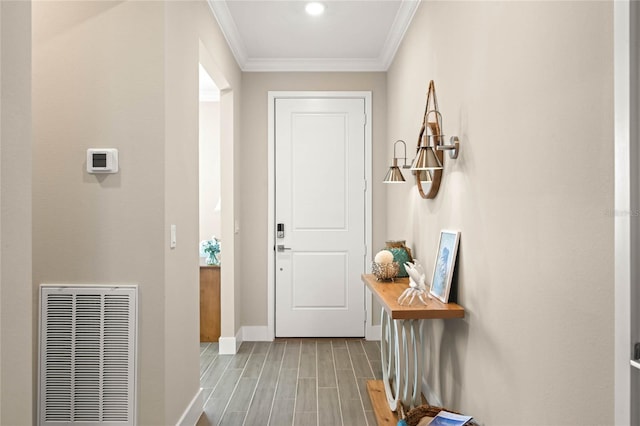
445,262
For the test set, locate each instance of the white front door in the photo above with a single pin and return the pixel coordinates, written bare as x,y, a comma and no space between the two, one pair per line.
320,206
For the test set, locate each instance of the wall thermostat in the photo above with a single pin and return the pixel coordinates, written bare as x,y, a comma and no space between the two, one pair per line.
101,160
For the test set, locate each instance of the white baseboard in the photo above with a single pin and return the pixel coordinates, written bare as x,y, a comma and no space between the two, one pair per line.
230,345
193,412
373,332
256,333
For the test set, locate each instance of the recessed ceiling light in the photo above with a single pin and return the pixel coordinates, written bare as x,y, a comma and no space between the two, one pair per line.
314,8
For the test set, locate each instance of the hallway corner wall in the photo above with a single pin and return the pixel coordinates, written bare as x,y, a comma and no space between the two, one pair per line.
98,82
254,185
16,296
528,88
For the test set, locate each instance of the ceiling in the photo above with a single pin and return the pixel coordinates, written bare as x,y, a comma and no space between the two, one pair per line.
278,35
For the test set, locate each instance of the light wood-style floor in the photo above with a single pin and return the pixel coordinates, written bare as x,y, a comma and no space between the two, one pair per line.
300,382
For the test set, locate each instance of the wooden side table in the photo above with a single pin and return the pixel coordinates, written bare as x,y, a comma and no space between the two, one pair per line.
209,303
402,334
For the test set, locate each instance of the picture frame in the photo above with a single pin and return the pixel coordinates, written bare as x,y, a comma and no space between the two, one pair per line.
444,265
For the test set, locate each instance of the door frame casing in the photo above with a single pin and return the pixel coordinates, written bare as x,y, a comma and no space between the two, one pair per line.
272,96
627,200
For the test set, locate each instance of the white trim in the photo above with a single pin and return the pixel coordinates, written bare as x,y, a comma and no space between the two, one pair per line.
398,28
369,332
271,185
193,412
272,96
317,65
373,332
397,31
229,30
230,345
227,345
622,224
256,333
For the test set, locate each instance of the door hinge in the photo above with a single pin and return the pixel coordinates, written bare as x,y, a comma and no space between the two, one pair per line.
365,185
364,121
365,316
635,362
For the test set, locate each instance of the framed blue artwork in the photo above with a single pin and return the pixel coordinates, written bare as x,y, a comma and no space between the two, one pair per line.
445,262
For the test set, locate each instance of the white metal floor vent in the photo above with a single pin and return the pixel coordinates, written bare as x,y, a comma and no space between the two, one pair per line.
87,355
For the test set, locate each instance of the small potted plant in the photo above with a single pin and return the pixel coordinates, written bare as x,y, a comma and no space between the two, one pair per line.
211,248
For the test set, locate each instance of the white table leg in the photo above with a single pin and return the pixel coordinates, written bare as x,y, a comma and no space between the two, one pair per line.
390,354
401,353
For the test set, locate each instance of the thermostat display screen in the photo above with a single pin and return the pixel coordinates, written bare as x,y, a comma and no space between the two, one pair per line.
102,160
99,160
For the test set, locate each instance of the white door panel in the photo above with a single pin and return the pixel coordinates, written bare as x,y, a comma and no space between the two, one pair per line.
320,200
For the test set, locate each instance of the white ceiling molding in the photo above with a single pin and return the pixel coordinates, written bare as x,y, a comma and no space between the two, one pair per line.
311,65
398,29
396,32
229,30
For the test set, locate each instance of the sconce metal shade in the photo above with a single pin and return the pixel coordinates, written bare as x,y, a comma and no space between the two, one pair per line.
394,175
426,160
424,176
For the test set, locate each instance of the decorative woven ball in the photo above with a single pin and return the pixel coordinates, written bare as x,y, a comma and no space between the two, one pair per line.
385,271
383,257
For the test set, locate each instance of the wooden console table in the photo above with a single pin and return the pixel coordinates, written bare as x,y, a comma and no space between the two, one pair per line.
209,303
401,343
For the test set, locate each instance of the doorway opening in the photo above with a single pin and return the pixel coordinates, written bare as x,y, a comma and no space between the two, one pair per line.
229,341
210,207
287,252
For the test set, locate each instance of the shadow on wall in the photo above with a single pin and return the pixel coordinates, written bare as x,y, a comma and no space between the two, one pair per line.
82,13
453,345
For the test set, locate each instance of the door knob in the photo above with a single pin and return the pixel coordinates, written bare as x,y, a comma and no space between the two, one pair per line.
282,248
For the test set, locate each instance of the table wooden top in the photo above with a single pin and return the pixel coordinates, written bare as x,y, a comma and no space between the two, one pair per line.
387,294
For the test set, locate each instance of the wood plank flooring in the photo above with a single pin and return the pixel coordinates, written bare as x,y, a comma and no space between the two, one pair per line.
299,382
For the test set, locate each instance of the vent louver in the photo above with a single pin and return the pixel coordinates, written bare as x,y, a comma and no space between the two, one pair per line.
87,355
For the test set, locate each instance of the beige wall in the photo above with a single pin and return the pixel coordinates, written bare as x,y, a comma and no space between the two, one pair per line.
218,61
209,160
125,75
16,344
182,289
528,88
98,81
254,191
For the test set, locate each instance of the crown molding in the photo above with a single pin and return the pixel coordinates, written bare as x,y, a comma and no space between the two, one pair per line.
398,30
313,65
229,30
381,63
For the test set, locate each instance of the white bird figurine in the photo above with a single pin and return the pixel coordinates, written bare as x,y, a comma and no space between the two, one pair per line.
417,286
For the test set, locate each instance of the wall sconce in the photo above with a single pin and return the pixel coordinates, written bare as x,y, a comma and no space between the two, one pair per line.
429,161
428,164
394,175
